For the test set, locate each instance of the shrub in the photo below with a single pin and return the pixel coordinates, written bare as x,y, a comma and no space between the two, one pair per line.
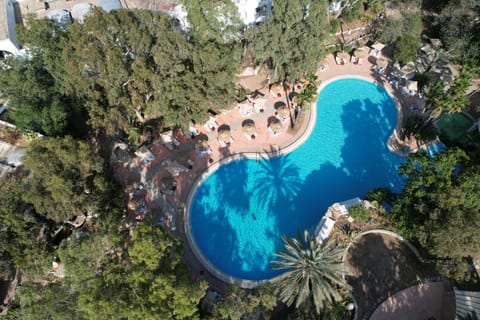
359,213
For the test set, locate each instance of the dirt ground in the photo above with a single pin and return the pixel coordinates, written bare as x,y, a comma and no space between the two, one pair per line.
381,266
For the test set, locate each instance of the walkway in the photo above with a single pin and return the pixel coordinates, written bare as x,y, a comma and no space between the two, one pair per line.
420,302
380,266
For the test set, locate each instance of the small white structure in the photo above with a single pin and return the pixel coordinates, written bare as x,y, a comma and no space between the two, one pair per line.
253,11
80,11
351,202
11,155
178,12
335,6
211,124
324,228
8,42
245,109
61,16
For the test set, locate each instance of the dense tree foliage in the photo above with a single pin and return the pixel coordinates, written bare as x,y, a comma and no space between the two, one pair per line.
154,284
458,26
404,34
240,302
213,21
292,39
67,179
23,233
128,70
46,301
102,281
440,204
453,99
314,272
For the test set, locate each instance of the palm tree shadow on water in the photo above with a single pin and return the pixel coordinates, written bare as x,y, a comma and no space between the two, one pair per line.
211,214
366,162
366,157
277,180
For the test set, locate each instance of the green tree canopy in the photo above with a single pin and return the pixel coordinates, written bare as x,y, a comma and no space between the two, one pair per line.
440,206
292,39
67,179
453,99
52,301
135,67
458,27
404,34
125,72
151,283
23,233
241,302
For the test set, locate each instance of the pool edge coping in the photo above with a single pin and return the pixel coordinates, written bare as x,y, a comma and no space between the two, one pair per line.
250,284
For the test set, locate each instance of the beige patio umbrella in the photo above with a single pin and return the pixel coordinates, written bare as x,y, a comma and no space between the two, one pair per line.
276,126
276,89
224,133
283,111
360,53
382,62
249,127
343,55
412,86
201,143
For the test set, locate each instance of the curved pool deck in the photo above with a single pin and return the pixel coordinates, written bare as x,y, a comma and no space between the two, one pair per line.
132,171
299,138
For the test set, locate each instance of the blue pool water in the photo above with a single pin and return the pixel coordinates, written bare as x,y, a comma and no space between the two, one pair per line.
239,213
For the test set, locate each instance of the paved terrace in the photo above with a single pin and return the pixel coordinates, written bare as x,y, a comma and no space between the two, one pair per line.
389,281
175,205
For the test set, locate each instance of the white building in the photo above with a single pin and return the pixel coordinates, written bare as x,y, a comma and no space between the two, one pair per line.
8,41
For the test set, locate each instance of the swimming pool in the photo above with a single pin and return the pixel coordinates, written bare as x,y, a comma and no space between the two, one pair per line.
238,214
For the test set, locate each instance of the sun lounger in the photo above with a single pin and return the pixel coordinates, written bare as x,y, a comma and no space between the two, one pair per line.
221,143
211,124
353,59
338,60
360,61
175,141
273,133
169,146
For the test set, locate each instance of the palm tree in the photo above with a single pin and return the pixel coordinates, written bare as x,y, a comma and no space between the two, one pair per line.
313,271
